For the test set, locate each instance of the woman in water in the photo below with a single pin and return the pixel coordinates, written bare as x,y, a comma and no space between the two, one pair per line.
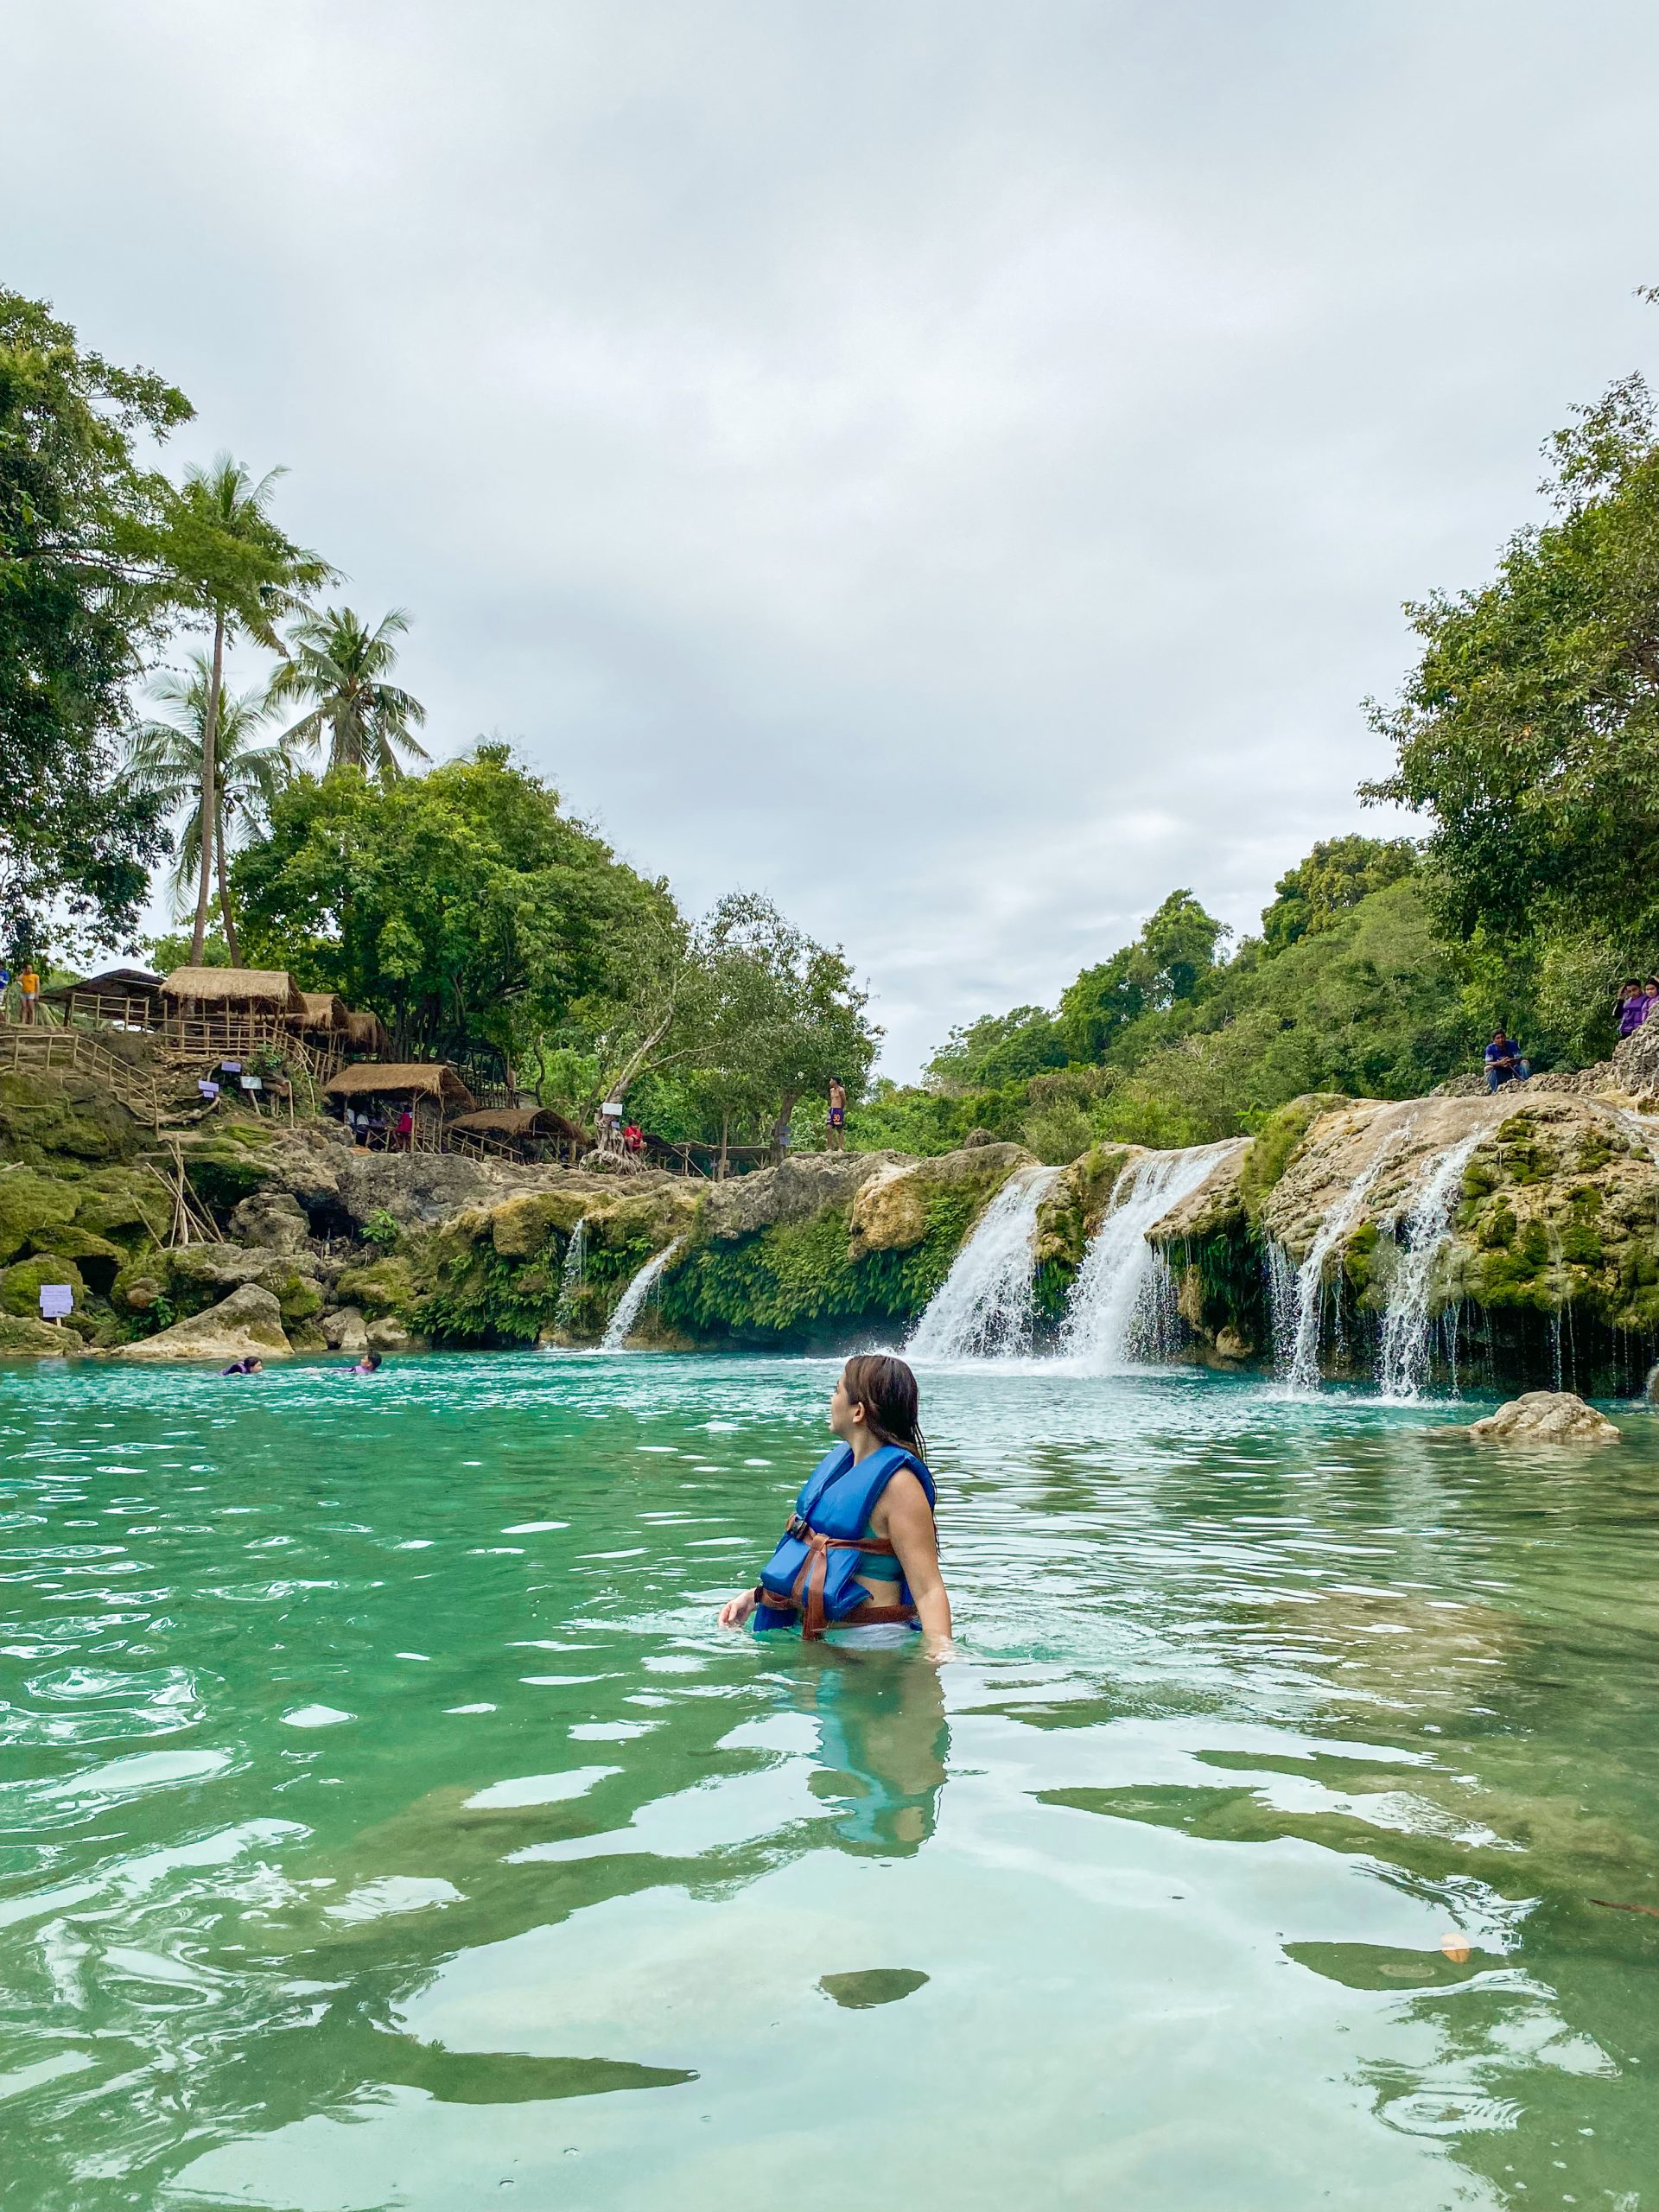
860,1555
250,1364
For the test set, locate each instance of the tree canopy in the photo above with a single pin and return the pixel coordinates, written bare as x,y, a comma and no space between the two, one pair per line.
81,524
463,906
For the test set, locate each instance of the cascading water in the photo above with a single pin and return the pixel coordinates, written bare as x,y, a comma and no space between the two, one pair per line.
629,1306
1122,1303
571,1275
984,1309
1408,1336
1301,1371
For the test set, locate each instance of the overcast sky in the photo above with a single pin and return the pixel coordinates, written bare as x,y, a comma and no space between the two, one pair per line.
953,466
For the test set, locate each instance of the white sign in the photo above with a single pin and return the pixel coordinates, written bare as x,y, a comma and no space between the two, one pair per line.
231,1067
57,1300
251,1083
207,1089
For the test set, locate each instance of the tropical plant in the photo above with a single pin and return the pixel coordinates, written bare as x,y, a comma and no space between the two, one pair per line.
342,667
234,566
79,603
166,757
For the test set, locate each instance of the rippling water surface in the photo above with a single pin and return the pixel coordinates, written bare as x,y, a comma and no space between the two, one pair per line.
383,1821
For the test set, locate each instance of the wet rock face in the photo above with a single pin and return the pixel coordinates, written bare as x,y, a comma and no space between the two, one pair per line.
248,1322
1545,1417
893,1207
802,1187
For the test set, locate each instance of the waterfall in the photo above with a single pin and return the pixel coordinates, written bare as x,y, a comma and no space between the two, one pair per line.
620,1325
1281,1306
1122,1303
1301,1369
1407,1334
571,1274
984,1309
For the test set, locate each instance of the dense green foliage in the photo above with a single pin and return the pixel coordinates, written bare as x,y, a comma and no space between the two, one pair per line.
462,905
80,520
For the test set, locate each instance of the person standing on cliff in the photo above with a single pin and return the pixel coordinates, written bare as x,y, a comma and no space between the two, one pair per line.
837,1113
29,984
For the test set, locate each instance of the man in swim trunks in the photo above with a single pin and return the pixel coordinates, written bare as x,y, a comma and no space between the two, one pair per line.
837,1113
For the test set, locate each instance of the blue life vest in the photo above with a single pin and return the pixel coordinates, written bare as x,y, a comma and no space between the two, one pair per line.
813,1574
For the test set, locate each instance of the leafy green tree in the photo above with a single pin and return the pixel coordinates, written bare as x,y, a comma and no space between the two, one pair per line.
80,601
1529,731
1337,875
999,1048
464,907
1170,964
166,755
342,667
231,564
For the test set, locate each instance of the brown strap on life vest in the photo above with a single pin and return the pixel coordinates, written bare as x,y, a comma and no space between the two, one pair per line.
806,1595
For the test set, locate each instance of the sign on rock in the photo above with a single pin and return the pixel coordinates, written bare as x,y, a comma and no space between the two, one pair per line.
57,1300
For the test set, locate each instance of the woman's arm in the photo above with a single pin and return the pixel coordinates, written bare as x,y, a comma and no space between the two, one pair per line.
735,1611
905,1519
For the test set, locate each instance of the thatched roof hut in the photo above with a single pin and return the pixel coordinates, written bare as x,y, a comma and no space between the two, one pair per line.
366,1033
232,990
325,1013
511,1124
111,984
434,1079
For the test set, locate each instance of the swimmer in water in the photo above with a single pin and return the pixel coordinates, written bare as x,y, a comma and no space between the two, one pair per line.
860,1559
251,1365
368,1365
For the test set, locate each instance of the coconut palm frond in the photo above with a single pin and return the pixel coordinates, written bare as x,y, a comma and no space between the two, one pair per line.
340,666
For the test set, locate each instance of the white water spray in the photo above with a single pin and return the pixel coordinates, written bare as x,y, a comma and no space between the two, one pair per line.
629,1306
571,1274
1402,1369
984,1309
1122,1304
1301,1371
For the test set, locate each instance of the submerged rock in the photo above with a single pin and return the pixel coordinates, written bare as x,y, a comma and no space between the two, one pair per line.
248,1321
1545,1417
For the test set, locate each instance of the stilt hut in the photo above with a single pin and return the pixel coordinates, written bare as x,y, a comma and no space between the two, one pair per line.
116,998
325,1016
372,1094
520,1133
230,1010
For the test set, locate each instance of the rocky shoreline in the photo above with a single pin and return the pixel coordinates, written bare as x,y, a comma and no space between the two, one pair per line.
1548,1252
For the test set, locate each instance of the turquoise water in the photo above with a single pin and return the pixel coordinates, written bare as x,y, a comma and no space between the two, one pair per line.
386,1824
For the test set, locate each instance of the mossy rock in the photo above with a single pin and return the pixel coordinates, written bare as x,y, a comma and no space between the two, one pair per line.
523,1226
385,1285
25,1338
98,1260
21,1284
130,1208
225,1173
1275,1146
44,1118
31,1205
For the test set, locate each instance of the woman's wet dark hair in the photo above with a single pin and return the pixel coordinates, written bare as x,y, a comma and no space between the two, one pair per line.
885,1388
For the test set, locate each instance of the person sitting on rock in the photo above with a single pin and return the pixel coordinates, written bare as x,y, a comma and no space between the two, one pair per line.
1632,1008
1503,1061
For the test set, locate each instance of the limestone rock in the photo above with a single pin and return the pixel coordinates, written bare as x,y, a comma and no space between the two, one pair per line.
798,1188
1215,1207
344,1330
389,1334
380,1288
273,1219
31,1205
21,1285
1231,1345
248,1321
1635,1058
26,1337
889,1212
1545,1417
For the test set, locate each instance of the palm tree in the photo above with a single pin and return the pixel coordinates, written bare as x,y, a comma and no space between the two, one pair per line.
340,666
237,566
165,757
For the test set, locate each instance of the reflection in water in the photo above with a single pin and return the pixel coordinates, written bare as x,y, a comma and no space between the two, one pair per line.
1288,1754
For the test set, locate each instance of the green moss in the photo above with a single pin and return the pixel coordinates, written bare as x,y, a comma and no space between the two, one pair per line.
31,1204
21,1285
224,1171
22,1337
385,1285
65,1117
1358,1254
1276,1141
98,1260
1497,1230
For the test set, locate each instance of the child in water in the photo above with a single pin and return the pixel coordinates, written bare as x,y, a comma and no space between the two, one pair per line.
860,1557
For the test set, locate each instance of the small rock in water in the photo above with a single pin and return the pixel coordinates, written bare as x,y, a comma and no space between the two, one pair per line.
1545,1417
